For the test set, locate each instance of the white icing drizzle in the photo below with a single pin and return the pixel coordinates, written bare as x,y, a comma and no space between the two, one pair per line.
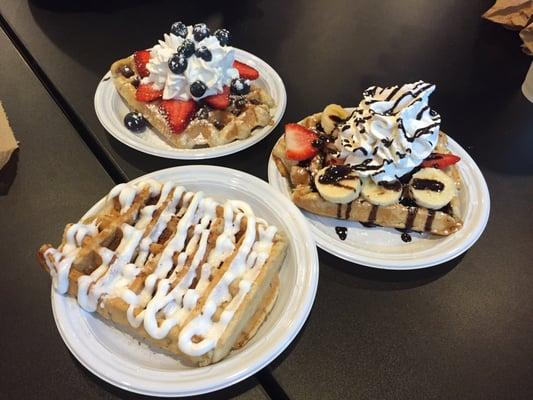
182,271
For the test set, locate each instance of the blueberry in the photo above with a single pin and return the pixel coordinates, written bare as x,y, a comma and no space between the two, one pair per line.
240,86
223,36
177,63
203,53
198,89
200,32
187,48
179,29
135,122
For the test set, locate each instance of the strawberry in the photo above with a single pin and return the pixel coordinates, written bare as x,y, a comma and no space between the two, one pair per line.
147,92
299,142
245,71
219,101
141,58
439,160
178,113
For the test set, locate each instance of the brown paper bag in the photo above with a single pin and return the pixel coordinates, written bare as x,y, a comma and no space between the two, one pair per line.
513,14
8,144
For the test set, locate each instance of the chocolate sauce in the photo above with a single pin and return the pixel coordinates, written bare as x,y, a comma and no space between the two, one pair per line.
372,215
126,71
318,127
136,82
429,220
106,79
392,93
335,118
348,210
406,237
411,215
341,231
413,93
386,142
391,185
368,224
361,149
339,210
427,184
421,112
334,174
447,209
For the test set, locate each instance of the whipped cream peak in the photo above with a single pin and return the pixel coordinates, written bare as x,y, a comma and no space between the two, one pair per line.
214,74
391,132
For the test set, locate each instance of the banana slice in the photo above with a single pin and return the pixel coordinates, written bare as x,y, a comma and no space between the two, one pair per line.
331,116
381,195
338,184
432,188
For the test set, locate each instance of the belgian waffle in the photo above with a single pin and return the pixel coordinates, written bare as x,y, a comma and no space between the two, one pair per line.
218,127
190,275
403,215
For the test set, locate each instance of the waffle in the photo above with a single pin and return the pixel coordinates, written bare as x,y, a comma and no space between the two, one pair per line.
237,122
188,274
403,215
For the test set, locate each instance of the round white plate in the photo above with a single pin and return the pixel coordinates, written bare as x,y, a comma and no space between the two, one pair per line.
125,362
111,109
383,247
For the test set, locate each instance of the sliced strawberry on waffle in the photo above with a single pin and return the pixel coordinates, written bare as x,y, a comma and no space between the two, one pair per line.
219,101
141,58
299,142
245,71
148,92
178,113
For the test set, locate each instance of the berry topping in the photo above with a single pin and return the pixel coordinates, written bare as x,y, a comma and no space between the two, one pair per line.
223,36
148,92
203,53
179,29
219,101
141,58
245,71
187,48
177,63
198,88
202,113
126,71
240,86
439,160
135,122
299,142
178,113
200,32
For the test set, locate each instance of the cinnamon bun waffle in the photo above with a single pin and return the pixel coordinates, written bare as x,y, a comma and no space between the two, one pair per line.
189,274
337,169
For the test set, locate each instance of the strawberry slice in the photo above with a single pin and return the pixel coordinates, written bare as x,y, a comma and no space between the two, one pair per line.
178,113
245,71
141,58
299,142
440,160
219,101
147,92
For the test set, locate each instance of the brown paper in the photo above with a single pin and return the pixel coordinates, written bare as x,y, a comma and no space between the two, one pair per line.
513,14
527,37
8,144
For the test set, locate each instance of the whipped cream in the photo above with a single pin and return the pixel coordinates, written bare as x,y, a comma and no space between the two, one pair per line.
215,74
391,131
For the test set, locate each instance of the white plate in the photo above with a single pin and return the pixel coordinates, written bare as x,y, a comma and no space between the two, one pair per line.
382,247
111,109
125,362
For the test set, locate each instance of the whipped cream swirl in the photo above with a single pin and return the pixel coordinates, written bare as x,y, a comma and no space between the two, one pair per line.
391,131
215,74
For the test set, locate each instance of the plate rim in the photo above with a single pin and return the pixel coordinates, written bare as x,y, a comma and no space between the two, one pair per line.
274,177
202,153
287,331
